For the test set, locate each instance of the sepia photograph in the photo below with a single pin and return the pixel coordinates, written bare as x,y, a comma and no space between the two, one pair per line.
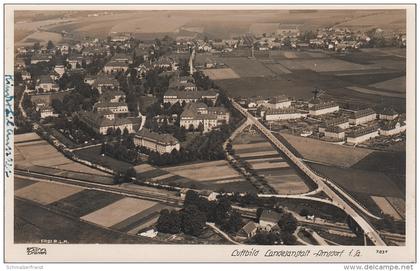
210,134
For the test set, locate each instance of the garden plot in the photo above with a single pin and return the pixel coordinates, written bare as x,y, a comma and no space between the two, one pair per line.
46,193
286,183
118,211
268,165
265,159
252,146
207,171
258,153
267,162
247,138
220,74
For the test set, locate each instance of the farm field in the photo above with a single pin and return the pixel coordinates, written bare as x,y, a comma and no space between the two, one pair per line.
46,193
364,185
246,67
117,211
220,74
108,210
324,65
277,68
396,84
214,176
32,151
44,226
392,164
207,171
368,78
268,163
39,36
377,92
326,153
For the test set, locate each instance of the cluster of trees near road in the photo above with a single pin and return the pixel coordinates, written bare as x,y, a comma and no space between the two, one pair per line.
197,210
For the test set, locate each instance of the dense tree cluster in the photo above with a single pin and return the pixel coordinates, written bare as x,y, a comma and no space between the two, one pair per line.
203,147
81,97
121,147
196,212
202,81
74,129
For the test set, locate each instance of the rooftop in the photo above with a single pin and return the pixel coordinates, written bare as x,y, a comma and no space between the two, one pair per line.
362,131
190,94
278,99
165,139
362,113
389,111
97,119
270,216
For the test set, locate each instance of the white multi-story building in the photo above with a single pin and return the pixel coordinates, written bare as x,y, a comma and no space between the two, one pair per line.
103,82
278,102
362,134
335,132
46,84
195,114
100,122
173,96
161,143
388,114
323,108
46,111
38,58
114,107
283,114
362,116
341,122
115,66
392,128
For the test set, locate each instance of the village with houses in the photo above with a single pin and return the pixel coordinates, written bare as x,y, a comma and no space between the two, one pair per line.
197,139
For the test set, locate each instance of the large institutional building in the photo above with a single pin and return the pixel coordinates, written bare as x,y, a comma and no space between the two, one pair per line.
209,117
283,114
161,143
173,96
362,134
362,116
323,108
101,121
